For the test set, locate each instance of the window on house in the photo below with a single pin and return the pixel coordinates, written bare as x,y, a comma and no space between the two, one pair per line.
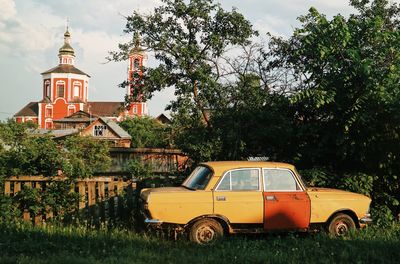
71,110
47,89
99,130
60,90
135,109
49,125
49,112
76,90
136,63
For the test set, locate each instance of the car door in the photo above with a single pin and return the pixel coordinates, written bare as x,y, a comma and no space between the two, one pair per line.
238,196
286,203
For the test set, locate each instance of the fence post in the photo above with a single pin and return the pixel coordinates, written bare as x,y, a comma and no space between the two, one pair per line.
7,187
82,196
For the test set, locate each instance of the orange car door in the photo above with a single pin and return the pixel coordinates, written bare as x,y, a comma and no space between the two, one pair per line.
286,204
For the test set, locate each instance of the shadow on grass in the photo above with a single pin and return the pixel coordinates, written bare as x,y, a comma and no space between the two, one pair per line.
25,244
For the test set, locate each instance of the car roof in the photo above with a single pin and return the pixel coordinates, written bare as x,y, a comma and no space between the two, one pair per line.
220,167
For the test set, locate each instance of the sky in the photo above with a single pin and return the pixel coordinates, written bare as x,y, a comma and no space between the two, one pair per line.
31,32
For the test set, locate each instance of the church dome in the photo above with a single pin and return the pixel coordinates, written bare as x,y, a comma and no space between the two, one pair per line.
66,49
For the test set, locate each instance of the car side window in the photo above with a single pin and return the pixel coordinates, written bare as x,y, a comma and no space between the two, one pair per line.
279,180
240,180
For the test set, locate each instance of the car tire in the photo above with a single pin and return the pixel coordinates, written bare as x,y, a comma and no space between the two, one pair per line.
206,231
341,224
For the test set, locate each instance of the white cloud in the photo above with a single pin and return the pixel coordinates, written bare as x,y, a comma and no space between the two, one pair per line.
7,9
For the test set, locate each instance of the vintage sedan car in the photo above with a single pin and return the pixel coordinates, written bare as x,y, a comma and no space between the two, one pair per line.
220,198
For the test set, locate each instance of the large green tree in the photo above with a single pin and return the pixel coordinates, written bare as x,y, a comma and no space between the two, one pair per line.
347,97
147,132
188,39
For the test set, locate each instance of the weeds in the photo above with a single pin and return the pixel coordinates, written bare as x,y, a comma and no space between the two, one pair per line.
22,243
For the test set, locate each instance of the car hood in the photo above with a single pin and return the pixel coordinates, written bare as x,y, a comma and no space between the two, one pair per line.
144,194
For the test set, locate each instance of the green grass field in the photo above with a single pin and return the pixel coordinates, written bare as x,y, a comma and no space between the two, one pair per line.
24,244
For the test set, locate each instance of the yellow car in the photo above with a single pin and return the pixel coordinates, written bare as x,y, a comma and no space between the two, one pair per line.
227,197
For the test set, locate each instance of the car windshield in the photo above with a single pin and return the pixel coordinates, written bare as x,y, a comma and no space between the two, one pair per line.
198,179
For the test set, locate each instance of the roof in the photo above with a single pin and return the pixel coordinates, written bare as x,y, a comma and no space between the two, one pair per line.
31,109
67,49
55,132
73,120
65,68
77,117
104,108
116,128
163,119
220,167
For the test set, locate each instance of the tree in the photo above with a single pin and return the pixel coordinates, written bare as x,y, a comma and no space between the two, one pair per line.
84,156
347,99
22,152
146,132
188,39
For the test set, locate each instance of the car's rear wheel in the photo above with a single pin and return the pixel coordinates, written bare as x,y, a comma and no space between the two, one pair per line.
206,231
341,224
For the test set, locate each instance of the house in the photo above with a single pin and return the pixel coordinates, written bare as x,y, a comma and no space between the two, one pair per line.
106,129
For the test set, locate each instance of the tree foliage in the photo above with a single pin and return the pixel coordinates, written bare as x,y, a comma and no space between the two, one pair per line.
187,38
347,93
147,132
24,153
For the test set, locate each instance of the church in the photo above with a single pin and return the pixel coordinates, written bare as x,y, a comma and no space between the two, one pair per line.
65,91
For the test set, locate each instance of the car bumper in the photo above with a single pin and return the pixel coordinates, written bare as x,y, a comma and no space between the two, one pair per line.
366,221
153,222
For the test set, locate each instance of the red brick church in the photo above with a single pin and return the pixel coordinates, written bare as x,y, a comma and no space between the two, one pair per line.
66,91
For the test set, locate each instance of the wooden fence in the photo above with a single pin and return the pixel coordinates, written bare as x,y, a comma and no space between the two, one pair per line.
100,197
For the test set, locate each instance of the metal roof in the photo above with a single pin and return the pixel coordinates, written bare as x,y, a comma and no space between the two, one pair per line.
65,68
116,128
31,109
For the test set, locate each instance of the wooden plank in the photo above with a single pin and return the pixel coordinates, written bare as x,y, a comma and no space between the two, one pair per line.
120,186
82,194
111,192
17,187
26,215
25,178
97,179
7,188
49,214
38,219
101,187
91,193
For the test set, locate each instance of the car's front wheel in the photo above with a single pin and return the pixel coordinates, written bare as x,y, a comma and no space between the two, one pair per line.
206,231
341,224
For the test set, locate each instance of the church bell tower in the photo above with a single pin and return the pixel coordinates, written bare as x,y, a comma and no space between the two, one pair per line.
137,57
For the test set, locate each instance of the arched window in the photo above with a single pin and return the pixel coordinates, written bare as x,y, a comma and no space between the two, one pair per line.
60,89
49,111
77,89
47,89
136,63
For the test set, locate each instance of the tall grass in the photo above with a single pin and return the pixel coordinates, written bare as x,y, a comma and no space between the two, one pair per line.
54,244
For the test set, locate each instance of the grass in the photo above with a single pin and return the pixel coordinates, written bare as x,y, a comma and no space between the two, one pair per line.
26,244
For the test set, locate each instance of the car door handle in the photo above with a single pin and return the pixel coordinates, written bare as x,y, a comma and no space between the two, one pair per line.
221,198
270,198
